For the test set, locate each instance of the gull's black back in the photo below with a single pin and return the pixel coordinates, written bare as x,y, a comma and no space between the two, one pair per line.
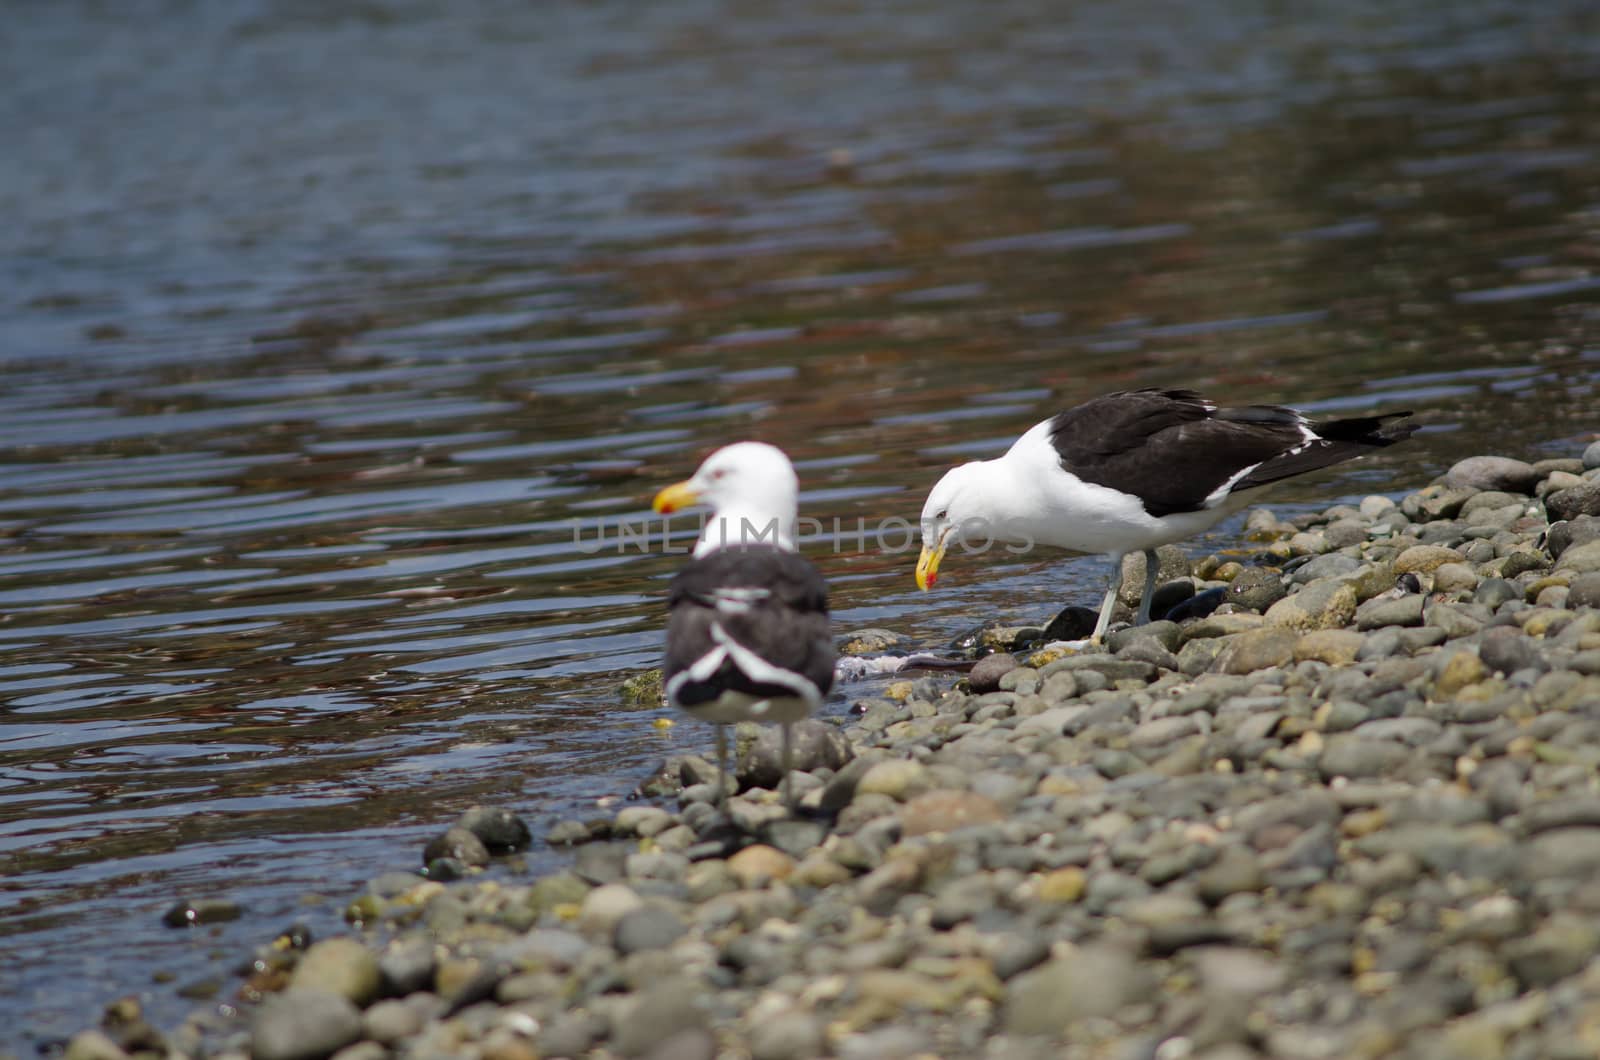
769,600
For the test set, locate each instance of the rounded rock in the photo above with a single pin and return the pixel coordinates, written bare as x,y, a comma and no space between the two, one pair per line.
899,778
791,1035
341,966
1493,473
813,745
1336,647
500,830
1258,649
457,843
650,928
303,1025
756,866
1582,559
1571,503
946,811
93,1044
1327,603
1454,578
390,1021
205,911
1094,982
986,673
1423,559
1584,591
604,906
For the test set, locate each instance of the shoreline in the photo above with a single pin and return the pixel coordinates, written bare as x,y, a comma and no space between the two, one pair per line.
1353,811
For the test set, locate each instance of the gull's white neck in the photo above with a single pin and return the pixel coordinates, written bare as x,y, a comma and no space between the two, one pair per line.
1001,495
747,525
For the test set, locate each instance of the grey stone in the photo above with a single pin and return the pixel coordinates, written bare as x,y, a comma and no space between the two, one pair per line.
1492,592
1571,503
1380,612
840,789
650,928
1257,649
1572,852
303,1025
1093,983
1573,812
500,830
986,673
1172,564
1326,603
814,744
1331,565
1582,558
1256,588
570,1034
1506,650
868,641
1349,755
1148,650
1564,533
1493,473
1452,619
1236,870
662,1011
1591,455
204,911
1559,949
406,966
1018,953
93,1044
390,1021
340,966
1162,632
1434,502
1584,590
457,843
791,1035
1113,669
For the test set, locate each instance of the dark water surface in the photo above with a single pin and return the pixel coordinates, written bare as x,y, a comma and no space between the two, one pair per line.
333,345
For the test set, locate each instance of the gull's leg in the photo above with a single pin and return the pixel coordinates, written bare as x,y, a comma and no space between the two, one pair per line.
1110,601
788,785
722,764
1152,563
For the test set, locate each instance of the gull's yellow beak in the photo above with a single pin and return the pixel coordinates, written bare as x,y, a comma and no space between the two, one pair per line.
678,495
928,564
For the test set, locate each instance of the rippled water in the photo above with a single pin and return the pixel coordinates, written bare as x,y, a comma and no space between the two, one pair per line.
342,353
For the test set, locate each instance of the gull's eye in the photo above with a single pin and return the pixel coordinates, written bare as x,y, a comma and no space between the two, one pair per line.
718,473
944,513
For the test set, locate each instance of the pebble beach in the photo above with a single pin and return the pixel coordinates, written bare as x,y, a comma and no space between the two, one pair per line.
1342,802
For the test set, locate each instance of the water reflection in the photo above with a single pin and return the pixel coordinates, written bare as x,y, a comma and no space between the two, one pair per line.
302,456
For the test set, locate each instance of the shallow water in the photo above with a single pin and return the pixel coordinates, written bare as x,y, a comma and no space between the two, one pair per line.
343,353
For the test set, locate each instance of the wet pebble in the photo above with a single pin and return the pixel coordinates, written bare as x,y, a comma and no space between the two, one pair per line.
986,673
500,830
457,844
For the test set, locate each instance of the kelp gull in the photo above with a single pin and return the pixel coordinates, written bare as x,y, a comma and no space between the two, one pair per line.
748,637
1130,471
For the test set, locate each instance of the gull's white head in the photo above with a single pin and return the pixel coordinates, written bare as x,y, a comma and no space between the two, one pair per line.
956,501
752,492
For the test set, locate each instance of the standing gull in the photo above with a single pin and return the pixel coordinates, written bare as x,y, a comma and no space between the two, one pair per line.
747,618
1132,470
